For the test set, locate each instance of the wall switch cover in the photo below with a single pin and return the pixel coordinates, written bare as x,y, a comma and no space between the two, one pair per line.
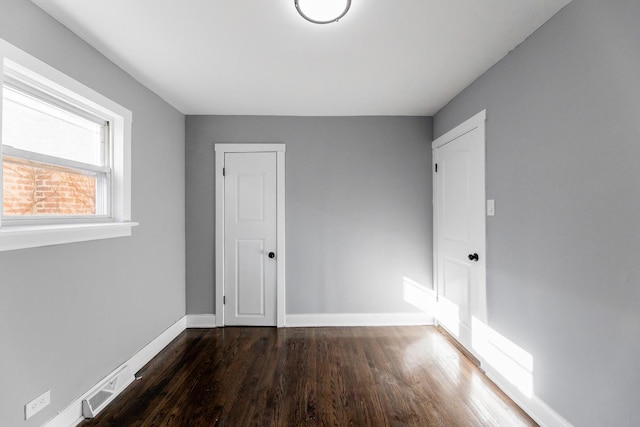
491,207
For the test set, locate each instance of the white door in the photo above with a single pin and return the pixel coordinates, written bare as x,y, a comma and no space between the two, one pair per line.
250,239
459,214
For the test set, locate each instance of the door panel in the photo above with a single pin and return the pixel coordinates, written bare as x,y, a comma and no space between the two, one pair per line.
456,286
250,234
250,284
455,195
250,198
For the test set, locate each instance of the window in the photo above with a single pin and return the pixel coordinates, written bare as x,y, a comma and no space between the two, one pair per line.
55,159
65,158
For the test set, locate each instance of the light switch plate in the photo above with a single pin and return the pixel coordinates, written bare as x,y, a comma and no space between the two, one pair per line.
491,207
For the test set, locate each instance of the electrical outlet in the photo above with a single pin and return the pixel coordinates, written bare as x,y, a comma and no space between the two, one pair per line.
37,404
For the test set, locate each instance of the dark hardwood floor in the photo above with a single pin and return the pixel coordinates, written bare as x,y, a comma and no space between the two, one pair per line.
397,376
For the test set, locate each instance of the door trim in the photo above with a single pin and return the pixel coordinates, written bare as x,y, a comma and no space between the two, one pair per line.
475,122
465,127
280,150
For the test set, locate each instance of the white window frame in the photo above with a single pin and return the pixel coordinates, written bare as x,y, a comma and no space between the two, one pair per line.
103,172
19,234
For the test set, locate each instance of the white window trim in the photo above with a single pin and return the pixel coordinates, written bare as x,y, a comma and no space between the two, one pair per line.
48,79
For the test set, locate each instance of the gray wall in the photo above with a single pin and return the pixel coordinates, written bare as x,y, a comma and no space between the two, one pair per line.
70,314
358,208
563,150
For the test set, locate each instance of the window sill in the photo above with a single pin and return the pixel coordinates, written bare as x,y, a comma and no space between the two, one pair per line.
33,236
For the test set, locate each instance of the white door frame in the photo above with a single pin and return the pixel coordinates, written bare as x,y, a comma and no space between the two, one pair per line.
220,150
475,122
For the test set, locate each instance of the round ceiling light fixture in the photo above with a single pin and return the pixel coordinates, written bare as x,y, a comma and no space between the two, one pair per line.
322,11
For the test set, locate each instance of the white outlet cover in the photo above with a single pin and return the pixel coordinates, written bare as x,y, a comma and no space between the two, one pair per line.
37,404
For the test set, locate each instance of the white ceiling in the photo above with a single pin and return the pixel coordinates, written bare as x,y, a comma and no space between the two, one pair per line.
385,57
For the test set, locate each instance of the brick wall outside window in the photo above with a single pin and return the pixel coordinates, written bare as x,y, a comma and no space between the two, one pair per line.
35,189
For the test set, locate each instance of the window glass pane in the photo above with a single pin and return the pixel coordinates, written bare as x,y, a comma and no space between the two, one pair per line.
31,189
29,123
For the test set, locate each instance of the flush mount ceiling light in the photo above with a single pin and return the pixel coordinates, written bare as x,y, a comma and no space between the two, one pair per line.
322,11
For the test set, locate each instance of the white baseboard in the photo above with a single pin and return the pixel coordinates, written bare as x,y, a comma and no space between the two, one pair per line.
152,349
534,407
358,319
71,416
201,321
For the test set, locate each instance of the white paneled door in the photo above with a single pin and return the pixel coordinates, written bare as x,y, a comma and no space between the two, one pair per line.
460,252
250,214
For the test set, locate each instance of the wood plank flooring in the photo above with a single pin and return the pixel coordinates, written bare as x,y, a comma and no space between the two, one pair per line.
395,376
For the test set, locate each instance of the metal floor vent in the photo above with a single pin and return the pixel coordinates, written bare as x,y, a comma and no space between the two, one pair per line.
106,392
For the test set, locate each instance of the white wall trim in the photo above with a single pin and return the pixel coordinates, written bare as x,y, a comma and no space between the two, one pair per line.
250,148
152,349
219,238
32,236
358,319
534,407
71,416
465,127
280,245
280,150
201,321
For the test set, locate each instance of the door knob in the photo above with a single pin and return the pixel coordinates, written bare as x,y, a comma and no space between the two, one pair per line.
272,255
473,257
